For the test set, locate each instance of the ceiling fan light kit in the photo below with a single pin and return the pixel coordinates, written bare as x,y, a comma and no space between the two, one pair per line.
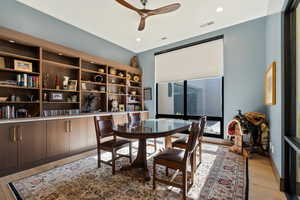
144,13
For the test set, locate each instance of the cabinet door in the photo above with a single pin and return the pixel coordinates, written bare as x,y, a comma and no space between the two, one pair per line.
57,138
78,134
8,149
120,119
32,148
92,139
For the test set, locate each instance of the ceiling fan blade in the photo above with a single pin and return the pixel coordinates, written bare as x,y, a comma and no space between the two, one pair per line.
142,24
127,5
165,9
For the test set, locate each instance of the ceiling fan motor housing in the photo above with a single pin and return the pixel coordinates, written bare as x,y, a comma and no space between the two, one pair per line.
144,2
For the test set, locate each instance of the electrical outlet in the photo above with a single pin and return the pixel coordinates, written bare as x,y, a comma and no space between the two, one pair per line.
271,148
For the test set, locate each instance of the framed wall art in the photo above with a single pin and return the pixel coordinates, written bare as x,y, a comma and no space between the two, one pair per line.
148,94
270,85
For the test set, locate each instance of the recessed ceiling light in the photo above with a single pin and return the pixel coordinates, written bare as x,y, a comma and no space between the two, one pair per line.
164,38
138,39
219,9
12,41
60,54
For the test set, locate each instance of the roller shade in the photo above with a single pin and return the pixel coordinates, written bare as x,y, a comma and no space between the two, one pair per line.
194,62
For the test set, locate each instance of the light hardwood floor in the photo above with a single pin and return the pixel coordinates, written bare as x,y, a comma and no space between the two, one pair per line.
262,182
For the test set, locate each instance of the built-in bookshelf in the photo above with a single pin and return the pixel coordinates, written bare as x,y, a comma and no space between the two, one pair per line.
32,92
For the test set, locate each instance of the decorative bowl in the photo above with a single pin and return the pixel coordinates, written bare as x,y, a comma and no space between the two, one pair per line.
113,71
136,78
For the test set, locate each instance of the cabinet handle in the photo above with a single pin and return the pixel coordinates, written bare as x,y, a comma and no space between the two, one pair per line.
13,135
70,126
66,126
20,134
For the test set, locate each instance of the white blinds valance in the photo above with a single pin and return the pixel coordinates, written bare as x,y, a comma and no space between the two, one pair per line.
199,61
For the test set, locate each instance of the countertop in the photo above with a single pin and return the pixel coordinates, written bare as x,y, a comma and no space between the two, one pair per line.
33,119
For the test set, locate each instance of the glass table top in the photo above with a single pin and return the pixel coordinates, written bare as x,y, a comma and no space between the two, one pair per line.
152,127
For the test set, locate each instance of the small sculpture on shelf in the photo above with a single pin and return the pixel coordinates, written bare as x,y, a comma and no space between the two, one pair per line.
57,83
91,101
114,105
46,80
66,82
120,74
134,62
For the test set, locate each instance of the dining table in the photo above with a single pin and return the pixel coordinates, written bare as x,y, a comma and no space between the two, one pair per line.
149,129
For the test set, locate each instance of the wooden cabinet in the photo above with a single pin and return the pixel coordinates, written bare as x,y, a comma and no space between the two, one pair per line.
57,138
32,139
21,145
78,133
24,145
8,148
92,139
120,119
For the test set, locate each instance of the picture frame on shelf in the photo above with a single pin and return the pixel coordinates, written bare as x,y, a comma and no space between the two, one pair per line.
72,85
121,108
270,85
22,65
83,86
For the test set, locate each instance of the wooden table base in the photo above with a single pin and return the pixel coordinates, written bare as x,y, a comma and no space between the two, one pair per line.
141,160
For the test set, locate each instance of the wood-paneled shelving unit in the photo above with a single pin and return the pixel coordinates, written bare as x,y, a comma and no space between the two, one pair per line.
51,62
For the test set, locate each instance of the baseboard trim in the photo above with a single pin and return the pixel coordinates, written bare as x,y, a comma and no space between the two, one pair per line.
279,179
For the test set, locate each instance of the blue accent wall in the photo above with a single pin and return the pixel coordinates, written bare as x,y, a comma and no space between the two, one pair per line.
244,67
274,47
19,17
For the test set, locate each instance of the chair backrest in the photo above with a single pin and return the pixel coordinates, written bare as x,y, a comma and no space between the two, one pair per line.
104,126
197,130
134,118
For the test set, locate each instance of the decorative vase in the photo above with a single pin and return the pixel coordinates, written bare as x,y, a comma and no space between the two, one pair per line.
66,82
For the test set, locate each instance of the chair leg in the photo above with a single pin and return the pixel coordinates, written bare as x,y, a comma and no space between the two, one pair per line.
155,145
200,153
184,184
113,161
99,158
154,175
167,171
130,153
193,166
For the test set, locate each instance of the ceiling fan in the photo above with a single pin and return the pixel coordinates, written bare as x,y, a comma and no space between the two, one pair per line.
144,13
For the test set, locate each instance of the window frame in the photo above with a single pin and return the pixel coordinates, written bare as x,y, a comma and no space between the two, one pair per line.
185,115
289,95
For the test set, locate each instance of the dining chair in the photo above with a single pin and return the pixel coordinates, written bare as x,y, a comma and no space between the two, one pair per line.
136,118
178,159
104,130
182,143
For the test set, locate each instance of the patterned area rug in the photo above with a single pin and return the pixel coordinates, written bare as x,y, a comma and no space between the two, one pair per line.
221,176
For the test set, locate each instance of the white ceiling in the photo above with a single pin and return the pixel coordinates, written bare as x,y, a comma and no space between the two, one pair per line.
115,23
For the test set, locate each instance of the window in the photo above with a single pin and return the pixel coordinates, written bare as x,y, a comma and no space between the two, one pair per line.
191,99
170,98
204,97
198,94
